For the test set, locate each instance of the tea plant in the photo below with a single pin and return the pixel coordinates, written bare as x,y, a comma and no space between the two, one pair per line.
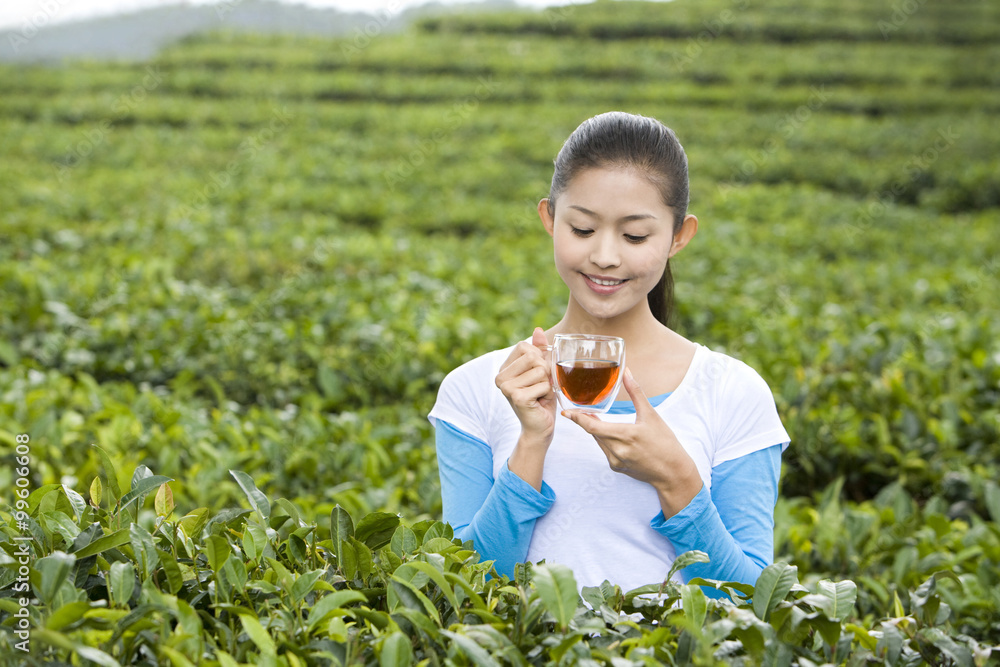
112,583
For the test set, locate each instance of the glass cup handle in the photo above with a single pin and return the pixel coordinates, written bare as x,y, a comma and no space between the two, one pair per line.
547,353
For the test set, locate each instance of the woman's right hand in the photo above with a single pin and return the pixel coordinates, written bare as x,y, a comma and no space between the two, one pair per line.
525,380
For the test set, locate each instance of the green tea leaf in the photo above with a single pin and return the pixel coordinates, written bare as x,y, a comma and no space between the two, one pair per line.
96,491
177,658
695,605
992,494
328,603
258,501
409,596
144,549
110,472
67,615
60,523
403,541
341,528
140,488
685,559
285,577
234,573
76,501
216,550
376,529
835,599
289,508
304,584
259,636
556,587
959,655
170,569
297,548
348,563
889,646
194,521
363,555
395,651
438,529
435,575
62,641
53,569
163,503
773,584
254,541
226,660
121,582
476,653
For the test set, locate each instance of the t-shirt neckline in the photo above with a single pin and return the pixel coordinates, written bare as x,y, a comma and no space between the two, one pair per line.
627,407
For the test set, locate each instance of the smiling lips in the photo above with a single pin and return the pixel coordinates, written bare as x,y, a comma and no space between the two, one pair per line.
604,285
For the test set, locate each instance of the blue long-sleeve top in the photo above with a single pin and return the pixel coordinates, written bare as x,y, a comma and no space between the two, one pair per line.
733,522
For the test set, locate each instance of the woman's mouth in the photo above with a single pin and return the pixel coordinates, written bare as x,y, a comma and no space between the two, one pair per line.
604,284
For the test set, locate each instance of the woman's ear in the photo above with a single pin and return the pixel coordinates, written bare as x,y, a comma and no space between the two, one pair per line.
543,213
688,229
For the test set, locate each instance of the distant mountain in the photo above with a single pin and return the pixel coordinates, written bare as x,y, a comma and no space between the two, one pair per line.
139,35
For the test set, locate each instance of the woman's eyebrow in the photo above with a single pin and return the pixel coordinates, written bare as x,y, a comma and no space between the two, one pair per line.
627,218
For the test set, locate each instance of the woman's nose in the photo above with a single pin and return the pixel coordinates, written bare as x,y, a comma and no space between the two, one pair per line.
604,252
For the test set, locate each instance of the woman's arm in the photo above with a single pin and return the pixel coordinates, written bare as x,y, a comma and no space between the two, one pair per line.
733,524
497,515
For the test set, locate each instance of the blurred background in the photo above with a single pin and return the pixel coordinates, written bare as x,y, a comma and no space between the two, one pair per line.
256,236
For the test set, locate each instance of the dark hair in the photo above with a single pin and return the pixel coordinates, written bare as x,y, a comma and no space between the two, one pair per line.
622,140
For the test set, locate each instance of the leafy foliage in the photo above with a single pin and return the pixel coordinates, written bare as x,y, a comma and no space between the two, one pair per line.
262,586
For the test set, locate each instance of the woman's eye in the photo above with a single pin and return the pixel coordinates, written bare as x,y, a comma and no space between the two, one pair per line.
582,232
631,238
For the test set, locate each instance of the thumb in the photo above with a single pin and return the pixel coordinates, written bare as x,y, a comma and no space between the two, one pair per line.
538,338
638,396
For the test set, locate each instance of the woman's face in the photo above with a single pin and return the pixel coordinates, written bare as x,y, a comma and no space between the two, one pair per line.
612,235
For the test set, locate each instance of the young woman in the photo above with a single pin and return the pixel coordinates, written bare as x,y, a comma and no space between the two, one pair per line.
689,456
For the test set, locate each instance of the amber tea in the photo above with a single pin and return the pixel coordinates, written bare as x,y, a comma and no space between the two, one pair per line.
587,381
586,370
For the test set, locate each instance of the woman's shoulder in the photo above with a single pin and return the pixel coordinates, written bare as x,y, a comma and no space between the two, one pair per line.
726,373
484,367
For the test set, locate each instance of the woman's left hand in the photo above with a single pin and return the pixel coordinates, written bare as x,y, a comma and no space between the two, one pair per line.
647,450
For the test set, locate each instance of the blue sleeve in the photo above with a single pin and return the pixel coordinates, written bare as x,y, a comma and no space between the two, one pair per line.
497,515
733,523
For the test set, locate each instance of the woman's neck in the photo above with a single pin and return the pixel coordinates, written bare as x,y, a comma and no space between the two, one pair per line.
637,326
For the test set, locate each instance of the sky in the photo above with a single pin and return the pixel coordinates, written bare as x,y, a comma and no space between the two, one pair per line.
19,14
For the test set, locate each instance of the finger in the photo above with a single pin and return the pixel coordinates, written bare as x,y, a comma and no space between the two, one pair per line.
529,357
531,394
538,338
589,422
642,405
524,348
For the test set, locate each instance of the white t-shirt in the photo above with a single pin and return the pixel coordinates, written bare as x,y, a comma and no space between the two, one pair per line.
599,524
